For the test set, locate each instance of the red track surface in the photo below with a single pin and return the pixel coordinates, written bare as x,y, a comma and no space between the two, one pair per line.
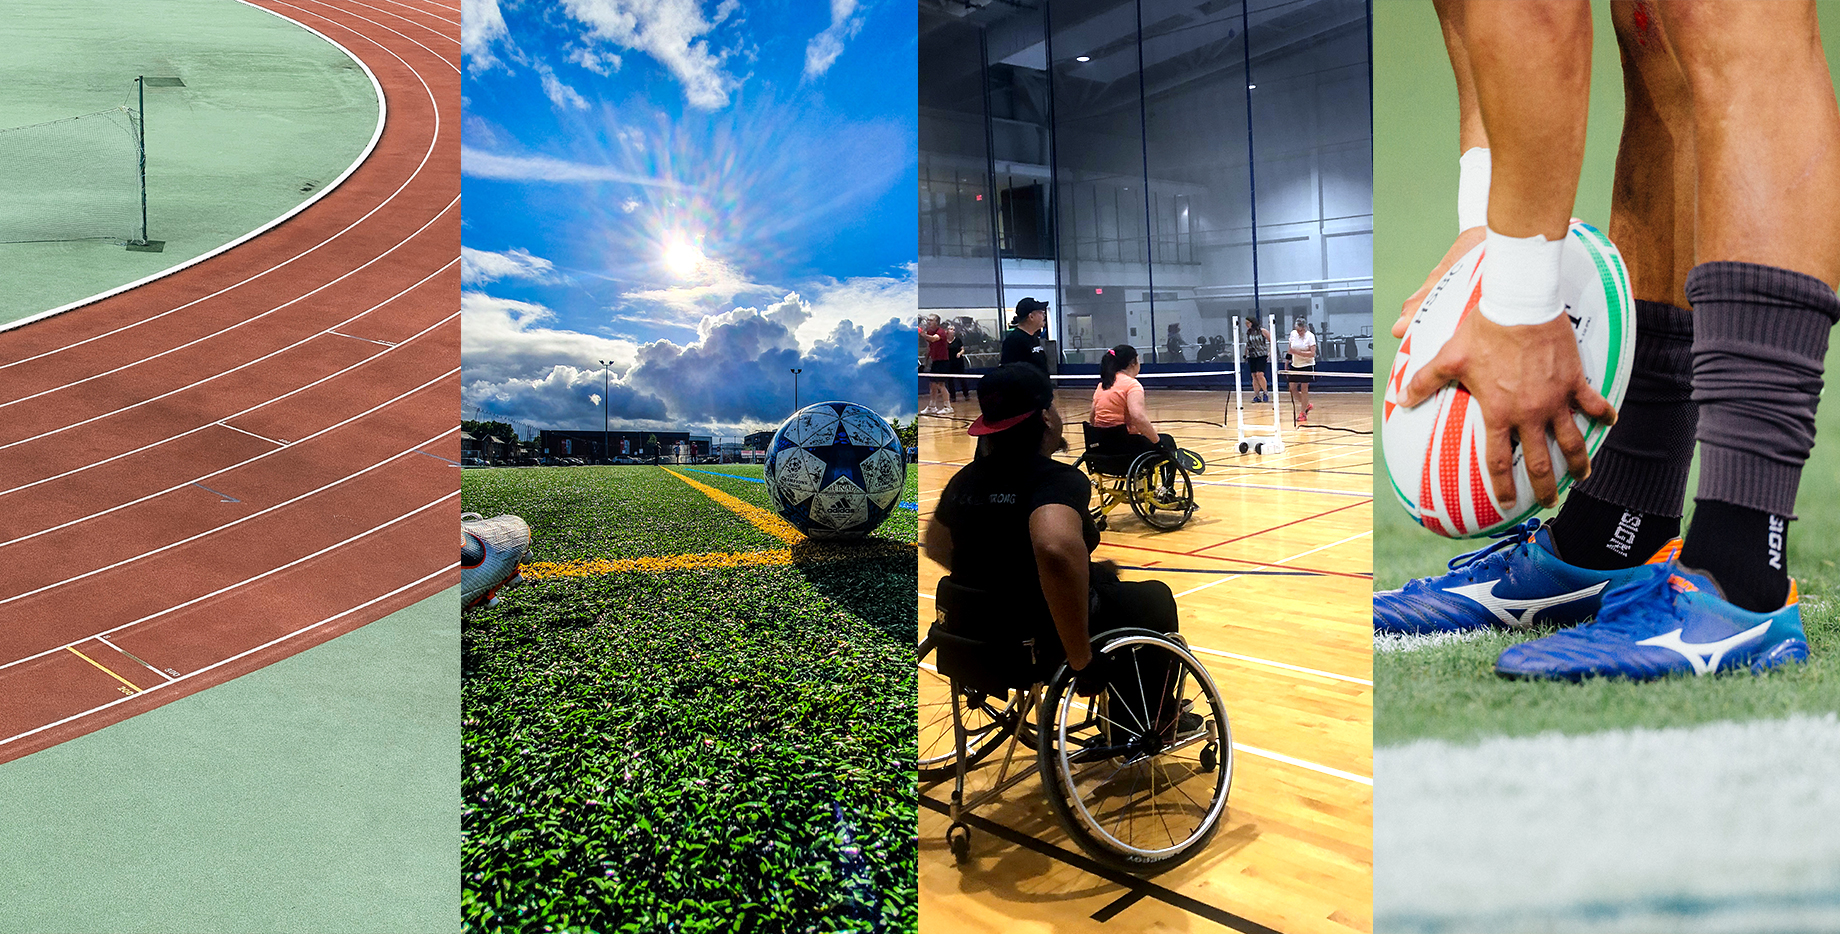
211,472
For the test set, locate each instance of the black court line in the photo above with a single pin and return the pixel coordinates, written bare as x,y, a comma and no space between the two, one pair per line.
1141,888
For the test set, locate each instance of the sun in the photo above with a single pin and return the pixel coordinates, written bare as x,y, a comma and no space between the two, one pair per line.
682,257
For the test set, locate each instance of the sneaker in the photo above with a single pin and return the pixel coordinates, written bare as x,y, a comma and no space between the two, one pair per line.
490,550
1515,583
1668,621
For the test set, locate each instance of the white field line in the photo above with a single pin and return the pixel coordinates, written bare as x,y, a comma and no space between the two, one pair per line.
376,134
1277,563
242,583
1412,642
304,629
231,524
1608,831
177,486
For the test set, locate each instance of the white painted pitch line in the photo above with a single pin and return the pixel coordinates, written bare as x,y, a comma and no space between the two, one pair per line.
229,587
1277,563
146,447
251,434
178,486
235,522
337,616
364,339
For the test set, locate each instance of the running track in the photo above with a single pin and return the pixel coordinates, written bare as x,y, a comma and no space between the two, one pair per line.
213,471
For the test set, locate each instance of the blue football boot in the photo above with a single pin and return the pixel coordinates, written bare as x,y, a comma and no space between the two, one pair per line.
1515,583
1671,621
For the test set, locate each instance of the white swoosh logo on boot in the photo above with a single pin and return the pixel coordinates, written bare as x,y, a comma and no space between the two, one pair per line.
1705,656
1518,612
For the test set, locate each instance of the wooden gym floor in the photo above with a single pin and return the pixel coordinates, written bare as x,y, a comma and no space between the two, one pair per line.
1274,580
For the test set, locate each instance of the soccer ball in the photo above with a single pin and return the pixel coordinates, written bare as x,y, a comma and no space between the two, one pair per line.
835,470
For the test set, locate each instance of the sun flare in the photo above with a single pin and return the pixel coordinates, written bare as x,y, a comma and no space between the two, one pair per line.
682,257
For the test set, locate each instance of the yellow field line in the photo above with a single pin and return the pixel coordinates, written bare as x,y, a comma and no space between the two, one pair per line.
100,667
806,552
758,517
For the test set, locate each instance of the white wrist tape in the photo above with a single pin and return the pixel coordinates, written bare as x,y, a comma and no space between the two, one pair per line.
1520,279
1473,172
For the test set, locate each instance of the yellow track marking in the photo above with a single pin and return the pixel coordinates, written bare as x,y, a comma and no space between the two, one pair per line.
760,518
99,665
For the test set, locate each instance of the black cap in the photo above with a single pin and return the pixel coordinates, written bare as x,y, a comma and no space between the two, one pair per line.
1009,394
1027,307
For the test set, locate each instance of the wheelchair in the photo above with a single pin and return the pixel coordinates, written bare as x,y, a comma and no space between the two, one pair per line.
1155,486
1138,776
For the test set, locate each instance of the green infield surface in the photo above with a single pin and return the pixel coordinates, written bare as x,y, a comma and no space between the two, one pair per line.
1687,804
690,719
265,116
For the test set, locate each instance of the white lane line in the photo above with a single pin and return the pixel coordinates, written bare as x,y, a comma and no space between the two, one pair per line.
146,447
226,589
337,616
135,657
415,23
95,515
433,140
254,515
251,434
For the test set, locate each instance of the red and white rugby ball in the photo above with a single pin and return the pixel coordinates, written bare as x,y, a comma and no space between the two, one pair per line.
1435,451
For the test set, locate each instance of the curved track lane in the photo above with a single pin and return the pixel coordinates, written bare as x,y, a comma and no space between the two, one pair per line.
239,461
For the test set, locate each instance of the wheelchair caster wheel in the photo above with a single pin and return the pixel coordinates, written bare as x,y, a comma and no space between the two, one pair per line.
958,838
1244,447
1258,449
1099,523
1209,759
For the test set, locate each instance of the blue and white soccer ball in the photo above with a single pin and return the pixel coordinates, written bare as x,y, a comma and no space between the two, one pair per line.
835,470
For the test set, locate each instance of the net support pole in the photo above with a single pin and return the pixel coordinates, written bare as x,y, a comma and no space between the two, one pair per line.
1277,414
140,85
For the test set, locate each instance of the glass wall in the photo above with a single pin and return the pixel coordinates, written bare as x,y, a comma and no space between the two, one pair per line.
1153,168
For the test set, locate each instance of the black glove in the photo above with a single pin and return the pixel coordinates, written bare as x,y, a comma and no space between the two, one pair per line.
1092,680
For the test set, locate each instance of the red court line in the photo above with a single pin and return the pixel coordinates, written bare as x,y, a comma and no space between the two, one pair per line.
223,467
1274,528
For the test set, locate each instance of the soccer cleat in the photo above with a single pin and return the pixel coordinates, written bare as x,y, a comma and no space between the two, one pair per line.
1515,583
490,550
1668,621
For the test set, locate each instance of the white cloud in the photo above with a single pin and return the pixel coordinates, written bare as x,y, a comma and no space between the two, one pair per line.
601,63
867,300
481,164
671,32
824,48
717,285
503,339
481,24
563,96
481,266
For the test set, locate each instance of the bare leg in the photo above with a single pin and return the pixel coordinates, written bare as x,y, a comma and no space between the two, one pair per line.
1531,61
1651,206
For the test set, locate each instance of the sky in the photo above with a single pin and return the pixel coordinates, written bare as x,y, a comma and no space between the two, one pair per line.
706,194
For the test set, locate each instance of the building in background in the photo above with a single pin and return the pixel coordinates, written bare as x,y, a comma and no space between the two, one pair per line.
1151,168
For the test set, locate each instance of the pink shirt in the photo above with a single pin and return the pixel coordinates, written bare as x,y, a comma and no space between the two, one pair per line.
1111,407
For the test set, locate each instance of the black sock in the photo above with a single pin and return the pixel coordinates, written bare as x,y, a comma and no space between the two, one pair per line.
1591,533
1742,550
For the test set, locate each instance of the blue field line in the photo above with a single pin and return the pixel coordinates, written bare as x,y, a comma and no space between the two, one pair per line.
913,506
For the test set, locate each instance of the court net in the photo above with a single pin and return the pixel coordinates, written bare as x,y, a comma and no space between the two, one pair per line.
75,178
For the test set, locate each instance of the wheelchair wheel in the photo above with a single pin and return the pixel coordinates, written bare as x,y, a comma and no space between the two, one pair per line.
989,720
1160,491
1139,775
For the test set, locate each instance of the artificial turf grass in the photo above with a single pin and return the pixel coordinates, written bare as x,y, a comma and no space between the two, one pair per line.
586,513
593,707
901,525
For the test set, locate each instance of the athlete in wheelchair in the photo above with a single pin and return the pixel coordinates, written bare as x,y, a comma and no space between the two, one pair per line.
1128,730
1129,461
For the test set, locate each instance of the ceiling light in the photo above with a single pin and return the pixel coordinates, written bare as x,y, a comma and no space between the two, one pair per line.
1082,58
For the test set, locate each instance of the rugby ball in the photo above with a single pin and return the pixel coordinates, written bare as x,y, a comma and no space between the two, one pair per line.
1435,452
835,470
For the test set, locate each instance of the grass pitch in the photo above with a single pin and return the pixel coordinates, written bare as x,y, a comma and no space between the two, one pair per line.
684,743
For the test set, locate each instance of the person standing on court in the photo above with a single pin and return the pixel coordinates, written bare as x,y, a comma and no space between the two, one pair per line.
1023,342
1303,357
1258,357
938,343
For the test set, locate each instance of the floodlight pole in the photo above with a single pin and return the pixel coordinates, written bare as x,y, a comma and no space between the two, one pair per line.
606,410
795,387
140,84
